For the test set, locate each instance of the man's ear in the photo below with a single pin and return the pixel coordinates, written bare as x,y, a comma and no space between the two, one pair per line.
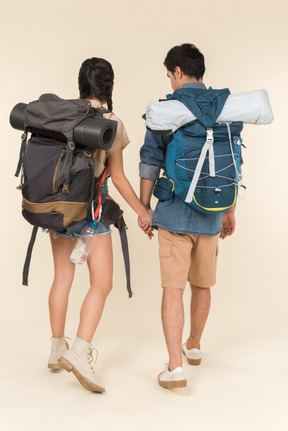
178,73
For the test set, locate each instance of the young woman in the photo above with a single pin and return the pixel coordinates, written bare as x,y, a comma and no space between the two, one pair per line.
95,81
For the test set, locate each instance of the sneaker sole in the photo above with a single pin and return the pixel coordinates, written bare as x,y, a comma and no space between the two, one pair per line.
172,384
87,384
192,361
54,367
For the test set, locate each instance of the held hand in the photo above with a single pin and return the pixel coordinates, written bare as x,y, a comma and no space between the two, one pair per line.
145,222
228,224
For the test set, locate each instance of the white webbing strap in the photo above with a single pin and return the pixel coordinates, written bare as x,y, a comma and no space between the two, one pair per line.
208,146
211,153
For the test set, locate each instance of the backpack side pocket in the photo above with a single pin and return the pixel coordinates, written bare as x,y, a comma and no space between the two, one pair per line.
163,189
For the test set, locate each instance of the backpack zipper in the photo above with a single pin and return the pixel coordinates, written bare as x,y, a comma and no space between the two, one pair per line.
56,170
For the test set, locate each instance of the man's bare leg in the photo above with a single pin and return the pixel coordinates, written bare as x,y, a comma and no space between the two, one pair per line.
173,321
199,310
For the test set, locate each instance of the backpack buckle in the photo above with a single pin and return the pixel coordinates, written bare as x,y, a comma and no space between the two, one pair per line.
23,136
209,136
65,188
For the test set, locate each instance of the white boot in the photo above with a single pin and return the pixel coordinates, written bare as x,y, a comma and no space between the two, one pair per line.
79,360
59,348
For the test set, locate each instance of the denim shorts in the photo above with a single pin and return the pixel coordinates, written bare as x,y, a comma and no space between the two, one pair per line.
74,231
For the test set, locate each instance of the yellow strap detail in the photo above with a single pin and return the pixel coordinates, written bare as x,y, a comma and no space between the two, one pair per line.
164,176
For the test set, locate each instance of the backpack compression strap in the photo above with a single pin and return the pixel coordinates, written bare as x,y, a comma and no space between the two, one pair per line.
22,151
28,256
207,147
124,244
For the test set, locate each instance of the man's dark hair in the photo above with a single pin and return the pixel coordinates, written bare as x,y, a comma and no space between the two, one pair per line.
188,58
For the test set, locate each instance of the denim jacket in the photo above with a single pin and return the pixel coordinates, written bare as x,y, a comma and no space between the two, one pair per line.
173,215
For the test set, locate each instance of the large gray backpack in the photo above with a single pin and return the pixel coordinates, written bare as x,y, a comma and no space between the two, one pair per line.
57,180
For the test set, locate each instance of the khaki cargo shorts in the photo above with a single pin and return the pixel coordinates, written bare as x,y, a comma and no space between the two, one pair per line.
187,257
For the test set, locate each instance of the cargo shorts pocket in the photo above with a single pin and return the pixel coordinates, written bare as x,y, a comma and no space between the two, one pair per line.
165,262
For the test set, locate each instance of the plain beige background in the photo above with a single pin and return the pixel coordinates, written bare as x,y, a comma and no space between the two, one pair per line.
242,382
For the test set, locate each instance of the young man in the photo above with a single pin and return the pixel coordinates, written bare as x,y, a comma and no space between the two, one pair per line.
188,239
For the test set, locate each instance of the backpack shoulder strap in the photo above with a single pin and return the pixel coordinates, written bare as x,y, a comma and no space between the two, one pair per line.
101,111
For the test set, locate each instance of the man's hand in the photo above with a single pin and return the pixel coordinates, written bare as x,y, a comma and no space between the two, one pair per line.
228,223
145,224
145,220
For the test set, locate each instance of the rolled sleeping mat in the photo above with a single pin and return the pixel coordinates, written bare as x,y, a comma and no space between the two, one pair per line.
93,132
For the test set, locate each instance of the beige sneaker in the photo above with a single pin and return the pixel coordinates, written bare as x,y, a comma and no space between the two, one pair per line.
172,379
193,356
79,360
59,348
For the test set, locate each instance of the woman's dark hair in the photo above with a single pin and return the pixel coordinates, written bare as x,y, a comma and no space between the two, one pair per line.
95,80
188,58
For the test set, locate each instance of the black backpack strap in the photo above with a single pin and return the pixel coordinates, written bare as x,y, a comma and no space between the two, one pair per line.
124,244
101,111
22,151
28,256
91,194
70,151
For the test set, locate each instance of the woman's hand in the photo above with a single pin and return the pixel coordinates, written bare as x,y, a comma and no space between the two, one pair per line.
122,184
145,222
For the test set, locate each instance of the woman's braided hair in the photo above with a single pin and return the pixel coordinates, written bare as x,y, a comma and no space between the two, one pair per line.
96,79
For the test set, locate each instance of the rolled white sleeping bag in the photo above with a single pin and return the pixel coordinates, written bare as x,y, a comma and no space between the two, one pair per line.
252,107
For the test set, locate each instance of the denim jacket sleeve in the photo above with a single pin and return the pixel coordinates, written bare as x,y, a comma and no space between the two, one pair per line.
152,155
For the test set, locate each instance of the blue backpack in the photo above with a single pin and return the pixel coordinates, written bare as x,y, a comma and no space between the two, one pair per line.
203,158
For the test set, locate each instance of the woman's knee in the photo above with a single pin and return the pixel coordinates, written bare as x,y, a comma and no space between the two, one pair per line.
102,287
63,279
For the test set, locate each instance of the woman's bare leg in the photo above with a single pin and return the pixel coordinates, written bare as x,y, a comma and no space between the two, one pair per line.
63,277
100,264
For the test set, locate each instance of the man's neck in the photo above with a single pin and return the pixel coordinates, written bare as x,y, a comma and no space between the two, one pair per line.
187,80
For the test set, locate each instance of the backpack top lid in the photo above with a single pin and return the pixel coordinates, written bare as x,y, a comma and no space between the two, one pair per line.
52,113
205,104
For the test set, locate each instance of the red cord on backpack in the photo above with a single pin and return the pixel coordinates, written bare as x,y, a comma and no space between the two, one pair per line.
98,186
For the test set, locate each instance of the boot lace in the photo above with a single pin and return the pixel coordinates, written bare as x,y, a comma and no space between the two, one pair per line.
92,358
